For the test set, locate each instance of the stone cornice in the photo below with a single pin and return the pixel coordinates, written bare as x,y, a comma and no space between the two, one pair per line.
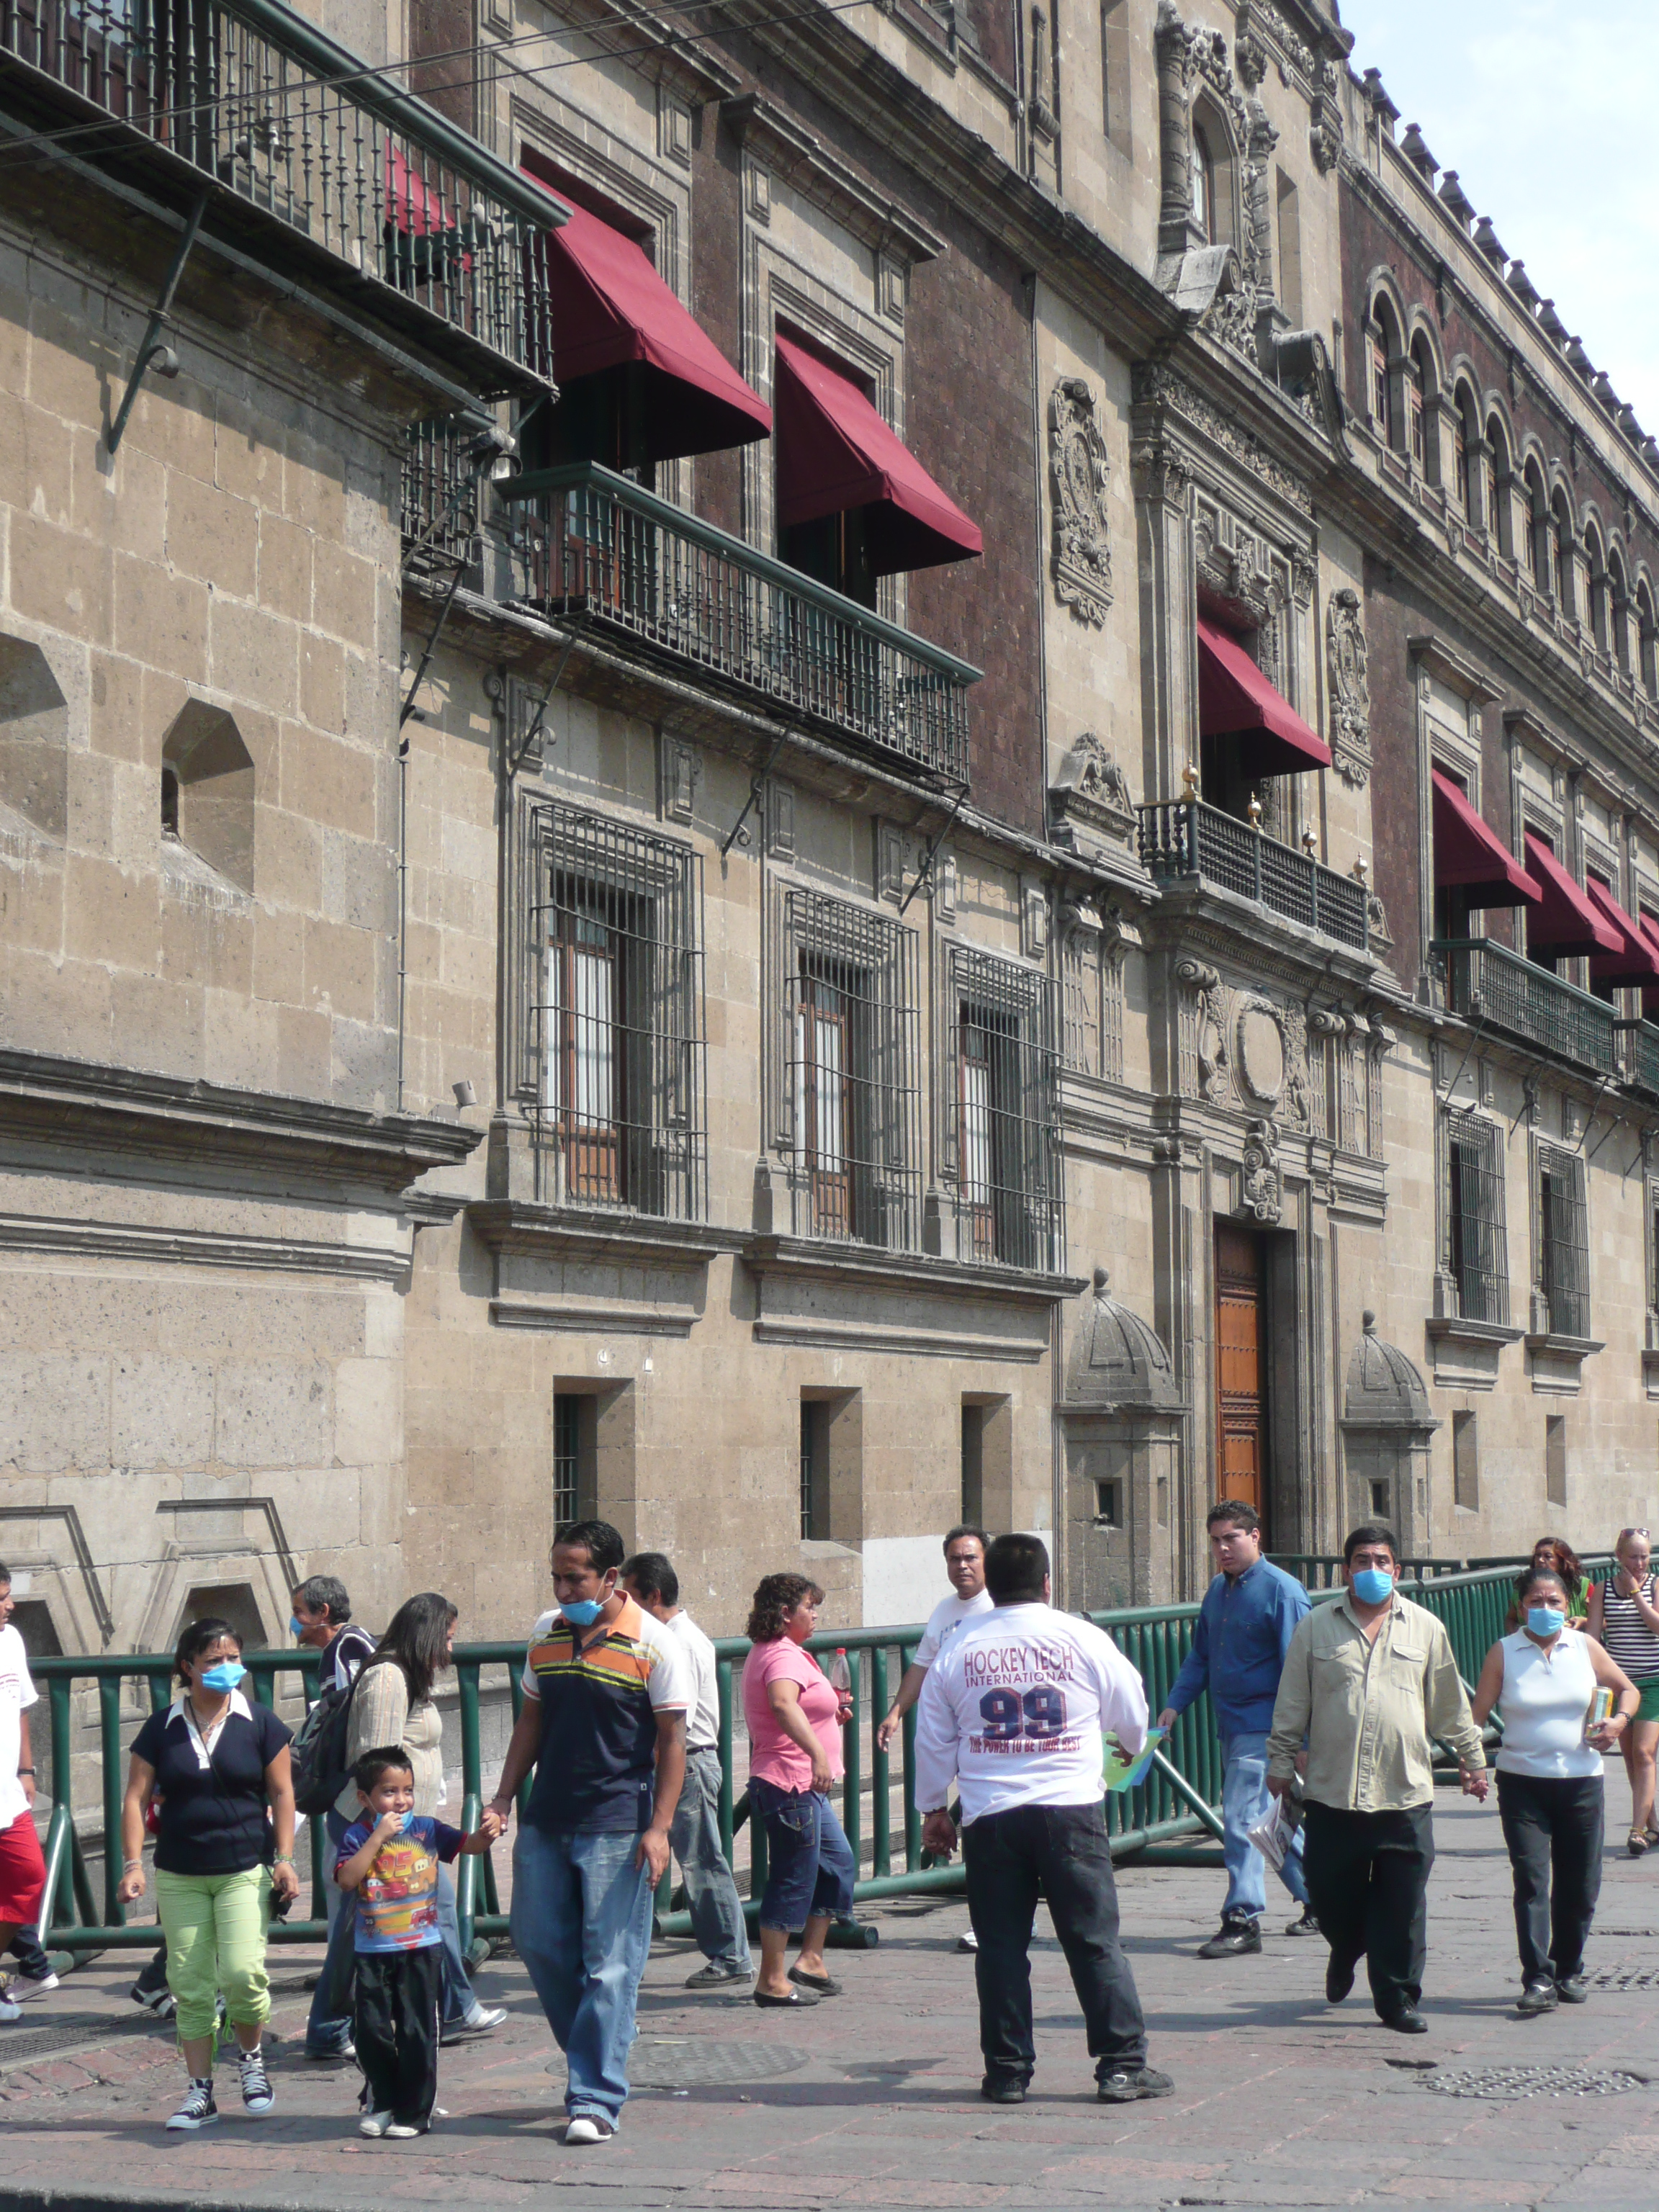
130,1118
805,1258
554,1232
1195,914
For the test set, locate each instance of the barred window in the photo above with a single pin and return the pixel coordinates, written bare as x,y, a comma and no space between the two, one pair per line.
1477,1234
1563,1243
1004,1113
616,1025
850,1108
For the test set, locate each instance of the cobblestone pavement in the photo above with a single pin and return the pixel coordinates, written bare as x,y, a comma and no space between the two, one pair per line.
870,2101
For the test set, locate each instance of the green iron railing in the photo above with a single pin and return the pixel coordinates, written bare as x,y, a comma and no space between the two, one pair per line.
1185,838
1486,982
1179,1803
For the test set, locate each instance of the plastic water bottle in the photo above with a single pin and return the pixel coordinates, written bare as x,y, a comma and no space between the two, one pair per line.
840,1674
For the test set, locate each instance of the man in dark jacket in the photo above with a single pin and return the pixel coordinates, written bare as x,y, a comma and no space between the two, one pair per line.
1248,1616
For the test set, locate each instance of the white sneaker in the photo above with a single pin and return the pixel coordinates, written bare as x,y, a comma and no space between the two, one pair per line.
9,2012
586,2129
198,2109
373,2124
401,2129
257,2095
479,2021
21,1987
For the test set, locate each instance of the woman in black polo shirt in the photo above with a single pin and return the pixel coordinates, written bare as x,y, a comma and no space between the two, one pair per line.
219,1767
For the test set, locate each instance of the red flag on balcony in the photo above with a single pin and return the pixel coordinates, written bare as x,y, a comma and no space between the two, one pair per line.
835,453
1634,961
1472,857
1237,702
1564,921
608,306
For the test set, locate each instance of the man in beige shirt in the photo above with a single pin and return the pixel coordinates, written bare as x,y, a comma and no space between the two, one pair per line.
1369,1680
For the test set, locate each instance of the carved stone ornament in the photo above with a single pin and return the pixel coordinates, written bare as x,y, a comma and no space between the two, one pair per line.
1261,1191
1091,800
1080,468
1205,1054
1262,1061
1346,658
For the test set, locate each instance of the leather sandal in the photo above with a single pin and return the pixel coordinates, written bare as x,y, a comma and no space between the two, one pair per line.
794,1997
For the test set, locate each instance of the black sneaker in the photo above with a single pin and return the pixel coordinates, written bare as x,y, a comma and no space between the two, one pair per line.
1003,2089
198,2109
1306,1926
1571,1988
1237,1934
1128,2086
1536,1997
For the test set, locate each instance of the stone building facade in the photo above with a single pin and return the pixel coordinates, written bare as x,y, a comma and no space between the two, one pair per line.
691,822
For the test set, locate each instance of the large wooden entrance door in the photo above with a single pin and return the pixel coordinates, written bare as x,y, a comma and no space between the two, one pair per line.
1240,1392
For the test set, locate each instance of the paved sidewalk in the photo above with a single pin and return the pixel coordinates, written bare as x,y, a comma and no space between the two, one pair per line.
870,2101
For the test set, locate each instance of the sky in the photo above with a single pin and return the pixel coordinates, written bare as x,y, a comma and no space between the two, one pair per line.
1549,112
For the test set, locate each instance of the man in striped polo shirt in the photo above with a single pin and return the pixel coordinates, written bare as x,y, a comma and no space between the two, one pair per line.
605,1692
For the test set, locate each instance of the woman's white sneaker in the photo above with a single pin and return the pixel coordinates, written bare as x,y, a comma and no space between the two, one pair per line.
198,2109
373,2124
257,2095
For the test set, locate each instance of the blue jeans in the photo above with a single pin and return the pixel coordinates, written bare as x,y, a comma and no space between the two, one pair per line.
810,1869
711,1894
1244,1803
581,1922
328,2029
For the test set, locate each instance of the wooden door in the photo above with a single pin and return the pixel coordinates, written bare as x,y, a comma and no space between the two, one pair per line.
1240,1392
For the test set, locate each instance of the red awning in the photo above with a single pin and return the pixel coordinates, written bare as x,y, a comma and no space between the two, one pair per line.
835,452
1564,921
1236,701
1473,858
608,306
1634,961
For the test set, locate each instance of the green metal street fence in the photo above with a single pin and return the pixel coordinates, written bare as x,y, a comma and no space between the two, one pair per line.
1178,1804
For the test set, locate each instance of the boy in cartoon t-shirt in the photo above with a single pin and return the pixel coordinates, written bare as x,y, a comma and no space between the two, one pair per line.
390,1857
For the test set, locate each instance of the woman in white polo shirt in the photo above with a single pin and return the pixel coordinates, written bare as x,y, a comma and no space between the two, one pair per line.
1543,1680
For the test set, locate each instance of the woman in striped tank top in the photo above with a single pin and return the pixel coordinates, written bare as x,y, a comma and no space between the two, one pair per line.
1624,1618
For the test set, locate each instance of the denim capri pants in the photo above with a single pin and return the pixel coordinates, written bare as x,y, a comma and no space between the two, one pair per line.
810,1870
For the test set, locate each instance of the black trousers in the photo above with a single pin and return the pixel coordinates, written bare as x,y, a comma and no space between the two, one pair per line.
1368,1881
1553,1829
1063,1847
394,2025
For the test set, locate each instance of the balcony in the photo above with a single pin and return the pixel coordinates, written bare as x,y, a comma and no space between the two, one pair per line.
1642,1059
1184,838
309,163
680,591
1489,984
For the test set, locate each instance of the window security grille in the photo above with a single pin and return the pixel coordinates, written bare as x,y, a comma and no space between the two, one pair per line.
1002,1111
850,1106
1563,1243
567,1458
1476,1229
616,1045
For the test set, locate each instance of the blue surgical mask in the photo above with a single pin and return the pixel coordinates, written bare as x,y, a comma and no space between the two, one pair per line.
582,1611
1373,1585
1544,1621
409,1820
224,1676
297,1625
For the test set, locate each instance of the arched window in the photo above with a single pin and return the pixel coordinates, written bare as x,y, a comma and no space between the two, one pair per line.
1382,349
1462,484
1535,554
1201,166
1618,608
1563,539
1418,384
1595,562
1503,502
1647,645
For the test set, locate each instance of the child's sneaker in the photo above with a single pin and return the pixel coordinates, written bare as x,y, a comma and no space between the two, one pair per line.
404,2128
257,2095
198,2109
21,1987
373,2124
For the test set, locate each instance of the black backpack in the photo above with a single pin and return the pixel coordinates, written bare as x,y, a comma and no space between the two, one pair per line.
317,1753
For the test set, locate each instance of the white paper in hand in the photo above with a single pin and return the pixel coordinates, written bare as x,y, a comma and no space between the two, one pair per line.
1272,1835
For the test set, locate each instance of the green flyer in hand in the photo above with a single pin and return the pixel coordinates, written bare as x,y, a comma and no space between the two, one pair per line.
1123,1772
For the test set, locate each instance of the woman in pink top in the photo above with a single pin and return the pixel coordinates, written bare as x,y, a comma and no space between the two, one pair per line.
794,1720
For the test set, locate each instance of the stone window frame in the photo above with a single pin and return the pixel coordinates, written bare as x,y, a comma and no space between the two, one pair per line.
1438,745
1027,993
1547,1156
1491,1132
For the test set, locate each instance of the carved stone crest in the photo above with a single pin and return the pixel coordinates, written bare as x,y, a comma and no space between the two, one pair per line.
1090,798
1078,466
1261,1061
1204,1047
1346,658
1261,1194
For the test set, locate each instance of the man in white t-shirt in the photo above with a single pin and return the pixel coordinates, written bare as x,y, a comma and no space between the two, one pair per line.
711,1894
22,1869
1012,1713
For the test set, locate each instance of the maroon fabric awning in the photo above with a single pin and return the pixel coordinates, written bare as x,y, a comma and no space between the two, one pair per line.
1237,702
1634,961
835,452
1564,921
1472,858
608,306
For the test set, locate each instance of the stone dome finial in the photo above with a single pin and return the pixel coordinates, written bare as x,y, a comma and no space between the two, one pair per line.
1368,1323
1102,1279
1385,1390
1118,1360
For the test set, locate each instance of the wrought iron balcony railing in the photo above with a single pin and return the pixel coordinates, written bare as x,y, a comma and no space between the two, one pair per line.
300,143
596,544
1488,983
1184,838
1642,1059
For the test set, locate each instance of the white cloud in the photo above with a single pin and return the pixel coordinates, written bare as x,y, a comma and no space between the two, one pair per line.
1549,112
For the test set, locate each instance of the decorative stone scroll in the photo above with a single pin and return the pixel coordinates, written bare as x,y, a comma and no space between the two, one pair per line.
1078,466
1261,1190
1346,660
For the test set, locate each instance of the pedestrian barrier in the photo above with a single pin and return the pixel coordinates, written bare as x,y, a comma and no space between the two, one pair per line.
1178,1804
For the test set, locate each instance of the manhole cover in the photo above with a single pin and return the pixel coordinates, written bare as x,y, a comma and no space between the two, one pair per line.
1624,1977
1508,2084
699,2063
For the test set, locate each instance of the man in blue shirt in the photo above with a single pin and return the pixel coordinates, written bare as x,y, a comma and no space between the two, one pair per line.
1244,1628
